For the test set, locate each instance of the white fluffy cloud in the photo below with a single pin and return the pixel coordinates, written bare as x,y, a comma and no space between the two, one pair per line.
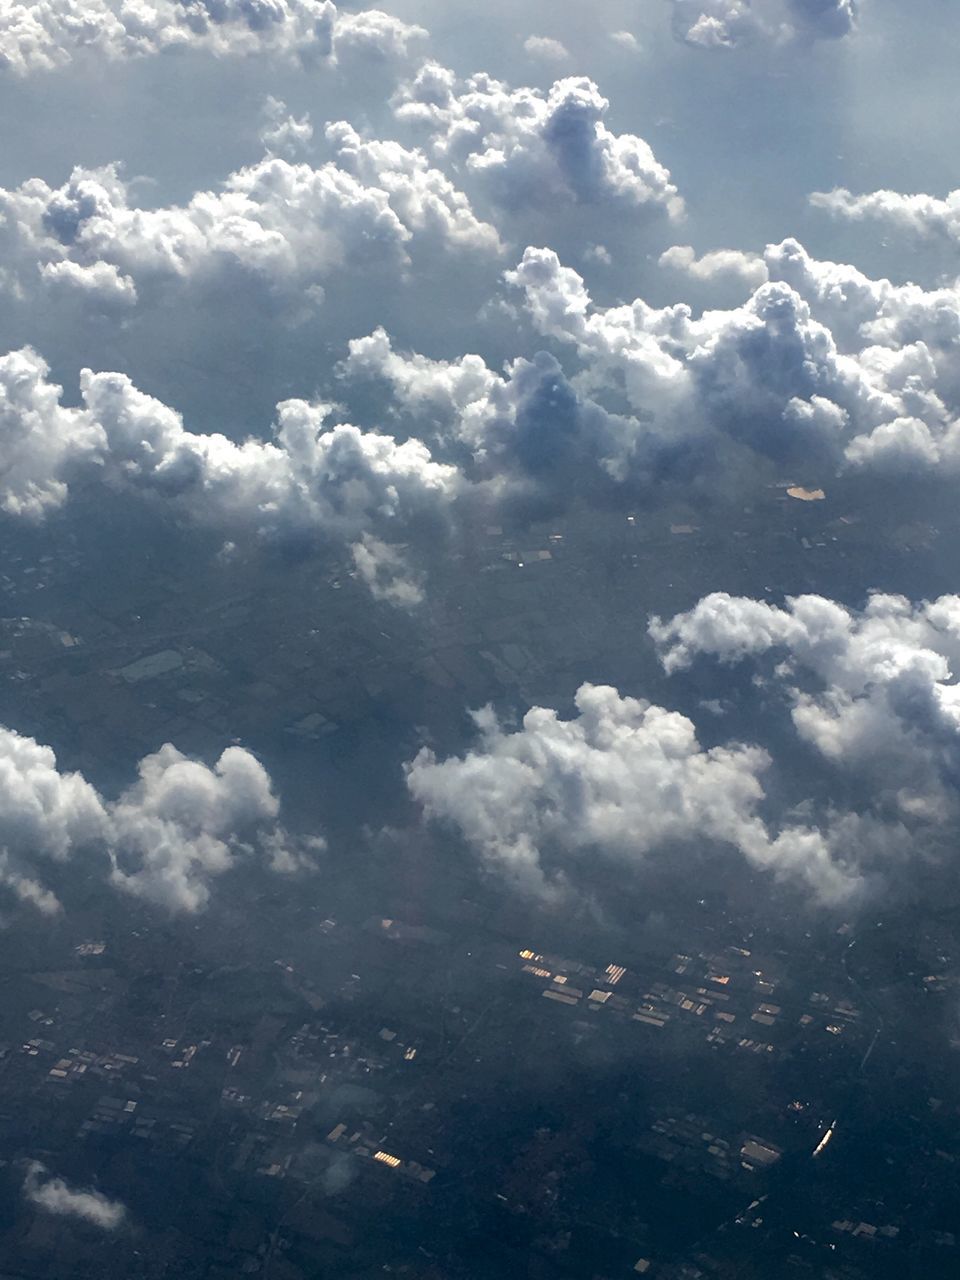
45,812
724,368
884,390
167,837
726,24
527,426
821,365
532,148
45,34
922,215
715,24
423,198
621,779
907,344
724,265
285,225
332,479
546,48
182,824
284,134
39,439
57,1196
874,692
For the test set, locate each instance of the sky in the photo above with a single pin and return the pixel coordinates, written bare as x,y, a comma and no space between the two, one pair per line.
344,278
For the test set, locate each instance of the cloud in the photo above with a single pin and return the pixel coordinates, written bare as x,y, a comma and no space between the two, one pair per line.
874,692
166,838
821,367
727,24
26,889
908,347
56,1196
626,40
524,430
824,19
46,34
386,574
621,779
715,24
315,478
735,371
927,217
280,225
529,148
45,813
283,134
771,375
182,824
424,199
39,439
724,265
545,47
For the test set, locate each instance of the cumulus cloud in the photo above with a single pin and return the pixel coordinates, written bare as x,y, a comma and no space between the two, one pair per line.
726,24
525,427
283,134
734,370
166,837
329,481
929,217
423,198
547,48
530,147
39,439
181,824
723,265
45,812
57,1196
821,366
874,692
46,34
282,224
621,779
772,374
715,24
907,343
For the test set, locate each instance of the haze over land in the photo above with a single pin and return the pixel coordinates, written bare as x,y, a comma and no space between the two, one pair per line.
479,636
